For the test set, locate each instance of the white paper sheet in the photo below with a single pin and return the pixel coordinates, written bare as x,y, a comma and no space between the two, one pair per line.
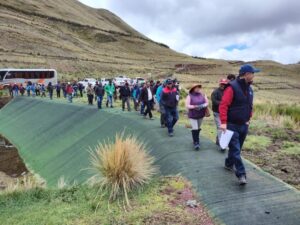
224,138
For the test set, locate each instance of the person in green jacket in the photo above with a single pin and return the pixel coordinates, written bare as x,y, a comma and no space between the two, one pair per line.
109,89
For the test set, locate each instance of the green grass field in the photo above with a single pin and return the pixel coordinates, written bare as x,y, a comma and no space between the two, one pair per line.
158,203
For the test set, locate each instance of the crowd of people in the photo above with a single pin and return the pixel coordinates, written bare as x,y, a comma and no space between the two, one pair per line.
232,104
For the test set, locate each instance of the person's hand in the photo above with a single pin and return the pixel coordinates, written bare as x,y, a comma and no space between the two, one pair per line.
248,123
223,127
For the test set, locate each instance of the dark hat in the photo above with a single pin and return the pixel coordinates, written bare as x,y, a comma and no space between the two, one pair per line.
247,68
194,86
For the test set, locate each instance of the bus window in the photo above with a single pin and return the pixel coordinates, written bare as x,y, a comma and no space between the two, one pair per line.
2,74
10,75
51,74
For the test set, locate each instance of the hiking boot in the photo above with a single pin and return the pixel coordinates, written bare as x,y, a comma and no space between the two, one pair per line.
222,150
242,180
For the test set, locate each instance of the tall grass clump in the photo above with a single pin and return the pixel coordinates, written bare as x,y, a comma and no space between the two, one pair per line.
289,115
122,166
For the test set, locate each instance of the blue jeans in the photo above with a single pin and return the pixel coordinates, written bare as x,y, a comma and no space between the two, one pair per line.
70,97
171,115
109,100
235,146
99,101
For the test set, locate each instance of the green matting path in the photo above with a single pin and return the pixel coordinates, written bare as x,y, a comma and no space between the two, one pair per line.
53,139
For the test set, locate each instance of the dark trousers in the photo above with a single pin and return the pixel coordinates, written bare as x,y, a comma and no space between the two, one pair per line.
142,108
162,115
58,93
90,99
80,92
148,105
127,100
171,117
51,94
99,101
135,103
235,146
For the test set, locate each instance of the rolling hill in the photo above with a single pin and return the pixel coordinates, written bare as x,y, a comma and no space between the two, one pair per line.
78,41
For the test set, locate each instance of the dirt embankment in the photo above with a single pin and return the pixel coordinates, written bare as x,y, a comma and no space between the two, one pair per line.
4,101
11,165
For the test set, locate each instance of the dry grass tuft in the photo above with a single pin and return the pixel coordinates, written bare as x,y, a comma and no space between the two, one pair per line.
24,183
122,166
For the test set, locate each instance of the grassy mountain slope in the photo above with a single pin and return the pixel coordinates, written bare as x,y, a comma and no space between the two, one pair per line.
79,41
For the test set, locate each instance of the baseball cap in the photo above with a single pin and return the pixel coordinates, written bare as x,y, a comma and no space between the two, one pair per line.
169,81
247,68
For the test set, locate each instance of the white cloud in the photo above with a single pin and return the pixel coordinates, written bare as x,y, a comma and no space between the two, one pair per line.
270,29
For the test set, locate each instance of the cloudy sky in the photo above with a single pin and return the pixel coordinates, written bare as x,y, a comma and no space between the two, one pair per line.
232,29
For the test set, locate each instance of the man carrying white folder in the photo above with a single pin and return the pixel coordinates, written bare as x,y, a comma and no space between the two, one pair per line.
235,113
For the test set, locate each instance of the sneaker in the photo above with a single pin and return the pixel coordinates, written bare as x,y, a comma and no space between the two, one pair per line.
242,180
229,168
151,118
171,134
196,146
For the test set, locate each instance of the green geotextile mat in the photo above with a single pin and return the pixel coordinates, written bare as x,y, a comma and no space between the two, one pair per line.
53,139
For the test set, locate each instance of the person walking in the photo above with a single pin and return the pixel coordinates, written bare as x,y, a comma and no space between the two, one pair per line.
196,103
69,91
15,90
125,94
80,88
142,110
235,113
33,87
43,90
58,90
37,89
28,88
146,98
135,96
50,90
90,94
216,98
22,90
169,99
99,92
160,105
110,90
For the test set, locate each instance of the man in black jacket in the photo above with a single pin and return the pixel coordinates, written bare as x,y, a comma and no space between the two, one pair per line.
169,99
125,94
99,93
147,98
216,98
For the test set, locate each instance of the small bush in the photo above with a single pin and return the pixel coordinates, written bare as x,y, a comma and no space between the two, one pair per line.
122,166
291,148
